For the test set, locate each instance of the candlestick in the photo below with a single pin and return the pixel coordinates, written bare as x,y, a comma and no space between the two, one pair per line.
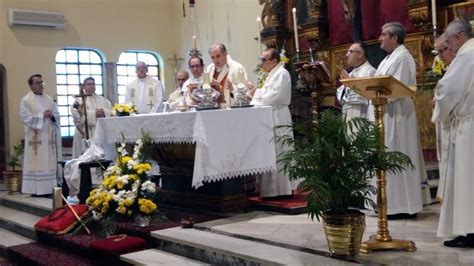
194,42
295,28
258,36
433,12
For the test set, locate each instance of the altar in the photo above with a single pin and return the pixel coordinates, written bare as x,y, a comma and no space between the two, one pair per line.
227,144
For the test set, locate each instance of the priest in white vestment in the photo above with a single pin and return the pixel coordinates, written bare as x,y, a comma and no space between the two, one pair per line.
276,92
442,128
354,105
404,190
173,100
40,118
145,92
454,104
96,106
225,73
196,65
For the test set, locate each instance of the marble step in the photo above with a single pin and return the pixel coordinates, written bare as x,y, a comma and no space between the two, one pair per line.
8,239
220,249
18,221
157,257
39,206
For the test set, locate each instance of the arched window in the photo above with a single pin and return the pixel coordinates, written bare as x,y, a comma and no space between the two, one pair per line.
73,65
126,69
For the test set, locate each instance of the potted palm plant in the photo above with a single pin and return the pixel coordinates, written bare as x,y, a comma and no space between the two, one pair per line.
335,160
13,161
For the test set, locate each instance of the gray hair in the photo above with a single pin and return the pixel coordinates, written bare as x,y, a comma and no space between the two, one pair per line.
396,28
457,26
221,47
141,63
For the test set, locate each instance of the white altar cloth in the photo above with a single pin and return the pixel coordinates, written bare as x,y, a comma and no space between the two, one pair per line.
229,143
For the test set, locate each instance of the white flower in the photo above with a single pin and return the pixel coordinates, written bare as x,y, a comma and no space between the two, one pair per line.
130,164
123,179
149,186
117,197
135,185
96,215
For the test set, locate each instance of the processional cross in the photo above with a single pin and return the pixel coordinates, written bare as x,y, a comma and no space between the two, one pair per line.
175,61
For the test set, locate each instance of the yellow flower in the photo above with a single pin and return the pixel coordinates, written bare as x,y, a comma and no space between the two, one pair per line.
125,159
128,202
146,206
122,209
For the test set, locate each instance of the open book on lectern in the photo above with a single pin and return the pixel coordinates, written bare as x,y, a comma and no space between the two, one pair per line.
388,86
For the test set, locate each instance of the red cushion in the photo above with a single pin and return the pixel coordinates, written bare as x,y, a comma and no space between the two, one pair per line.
61,220
120,244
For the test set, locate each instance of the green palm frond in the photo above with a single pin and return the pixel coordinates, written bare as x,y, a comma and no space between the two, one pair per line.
335,161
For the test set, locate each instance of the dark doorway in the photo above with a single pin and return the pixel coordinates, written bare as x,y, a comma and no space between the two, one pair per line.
2,115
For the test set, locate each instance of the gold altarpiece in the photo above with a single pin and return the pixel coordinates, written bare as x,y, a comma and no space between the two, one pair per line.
313,33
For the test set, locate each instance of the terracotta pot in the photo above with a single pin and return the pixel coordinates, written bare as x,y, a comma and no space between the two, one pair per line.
13,181
344,232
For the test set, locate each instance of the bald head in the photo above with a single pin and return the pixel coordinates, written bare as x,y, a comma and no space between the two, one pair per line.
181,77
218,54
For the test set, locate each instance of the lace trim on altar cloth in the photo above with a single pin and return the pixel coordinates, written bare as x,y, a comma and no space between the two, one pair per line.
198,182
157,140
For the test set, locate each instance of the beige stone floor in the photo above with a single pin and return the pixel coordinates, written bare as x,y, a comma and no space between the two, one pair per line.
301,231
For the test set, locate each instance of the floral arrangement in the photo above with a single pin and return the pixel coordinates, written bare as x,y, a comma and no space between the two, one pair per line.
124,109
431,77
127,191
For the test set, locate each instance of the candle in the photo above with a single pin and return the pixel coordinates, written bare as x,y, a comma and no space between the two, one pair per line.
240,77
206,78
194,42
433,13
295,28
258,36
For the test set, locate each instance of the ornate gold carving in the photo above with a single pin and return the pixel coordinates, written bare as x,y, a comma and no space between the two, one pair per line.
270,42
315,38
315,7
272,13
420,15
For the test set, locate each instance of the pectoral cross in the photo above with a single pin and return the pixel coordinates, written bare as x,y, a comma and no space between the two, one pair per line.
35,142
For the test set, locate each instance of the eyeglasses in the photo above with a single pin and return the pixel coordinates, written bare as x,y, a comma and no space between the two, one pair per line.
39,82
263,59
441,51
353,51
182,79
194,66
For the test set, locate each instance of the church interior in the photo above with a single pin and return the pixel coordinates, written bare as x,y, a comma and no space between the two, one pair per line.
218,219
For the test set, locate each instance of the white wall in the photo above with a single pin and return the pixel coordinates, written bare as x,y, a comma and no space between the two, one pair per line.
113,26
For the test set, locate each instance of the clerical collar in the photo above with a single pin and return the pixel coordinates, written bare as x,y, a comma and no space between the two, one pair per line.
359,65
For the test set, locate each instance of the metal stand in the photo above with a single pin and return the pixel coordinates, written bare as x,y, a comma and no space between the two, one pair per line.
383,240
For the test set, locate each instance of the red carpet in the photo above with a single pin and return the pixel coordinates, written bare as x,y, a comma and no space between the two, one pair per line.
75,249
285,204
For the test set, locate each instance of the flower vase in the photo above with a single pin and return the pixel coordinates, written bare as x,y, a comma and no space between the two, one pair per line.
142,220
123,114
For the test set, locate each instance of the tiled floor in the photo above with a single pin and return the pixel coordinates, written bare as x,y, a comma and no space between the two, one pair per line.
300,231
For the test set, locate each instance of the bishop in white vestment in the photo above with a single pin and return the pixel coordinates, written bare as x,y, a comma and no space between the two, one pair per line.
40,118
225,73
276,92
145,92
454,104
404,191
96,106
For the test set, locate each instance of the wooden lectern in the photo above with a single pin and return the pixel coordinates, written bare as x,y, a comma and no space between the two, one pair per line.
378,89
